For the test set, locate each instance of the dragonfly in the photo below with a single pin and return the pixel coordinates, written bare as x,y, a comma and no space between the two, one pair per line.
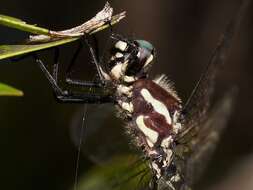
173,137
176,139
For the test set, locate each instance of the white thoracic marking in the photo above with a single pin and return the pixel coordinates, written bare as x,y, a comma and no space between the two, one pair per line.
157,169
150,144
127,106
176,126
112,58
116,71
166,142
158,106
119,69
119,55
124,66
168,157
149,133
176,116
129,78
121,45
126,90
149,60
138,54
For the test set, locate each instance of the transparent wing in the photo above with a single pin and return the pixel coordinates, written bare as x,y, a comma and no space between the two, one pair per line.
203,127
115,165
103,136
122,172
198,103
194,150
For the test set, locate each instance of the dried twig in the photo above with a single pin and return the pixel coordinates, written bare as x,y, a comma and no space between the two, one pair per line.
103,19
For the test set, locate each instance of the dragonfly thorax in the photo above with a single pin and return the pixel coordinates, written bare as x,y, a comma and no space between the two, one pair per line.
153,110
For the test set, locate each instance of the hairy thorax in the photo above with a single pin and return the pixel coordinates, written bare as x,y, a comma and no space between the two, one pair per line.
153,108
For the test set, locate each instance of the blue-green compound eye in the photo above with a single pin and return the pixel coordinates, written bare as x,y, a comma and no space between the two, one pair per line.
145,44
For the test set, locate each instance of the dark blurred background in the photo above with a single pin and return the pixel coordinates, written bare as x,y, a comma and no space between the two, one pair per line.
36,151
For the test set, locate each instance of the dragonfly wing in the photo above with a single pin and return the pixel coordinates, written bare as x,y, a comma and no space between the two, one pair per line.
199,143
122,172
201,126
103,136
198,103
116,166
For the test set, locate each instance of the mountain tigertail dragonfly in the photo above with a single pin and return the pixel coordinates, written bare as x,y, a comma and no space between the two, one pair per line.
173,137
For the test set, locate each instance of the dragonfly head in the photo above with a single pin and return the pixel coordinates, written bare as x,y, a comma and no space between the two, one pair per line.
130,60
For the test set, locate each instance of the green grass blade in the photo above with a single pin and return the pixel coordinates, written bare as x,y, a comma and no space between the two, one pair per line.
6,90
120,173
7,51
47,38
21,25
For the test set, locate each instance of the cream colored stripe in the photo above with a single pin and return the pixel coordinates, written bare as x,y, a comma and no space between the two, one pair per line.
149,133
158,106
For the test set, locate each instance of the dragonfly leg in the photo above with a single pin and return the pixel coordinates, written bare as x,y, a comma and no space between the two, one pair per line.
82,83
50,78
73,60
65,96
77,82
96,61
56,64
84,98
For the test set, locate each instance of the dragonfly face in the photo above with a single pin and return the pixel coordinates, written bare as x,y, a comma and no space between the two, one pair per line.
130,60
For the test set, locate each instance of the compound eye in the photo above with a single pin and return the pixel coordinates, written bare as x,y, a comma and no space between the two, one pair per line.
122,46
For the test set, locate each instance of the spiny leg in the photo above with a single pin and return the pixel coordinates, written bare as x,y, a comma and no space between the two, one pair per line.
50,78
69,69
77,82
96,47
97,64
85,98
82,83
68,97
73,60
